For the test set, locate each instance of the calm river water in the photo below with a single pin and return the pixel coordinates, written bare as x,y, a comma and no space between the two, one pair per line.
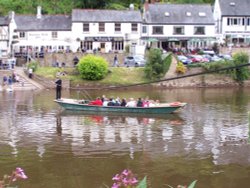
207,141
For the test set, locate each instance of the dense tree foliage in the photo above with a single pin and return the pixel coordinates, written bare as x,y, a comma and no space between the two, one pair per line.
65,6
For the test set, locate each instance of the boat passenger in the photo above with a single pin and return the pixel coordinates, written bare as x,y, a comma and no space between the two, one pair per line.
123,103
145,103
97,102
117,102
103,98
105,102
111,102
131,103
139,103
151,103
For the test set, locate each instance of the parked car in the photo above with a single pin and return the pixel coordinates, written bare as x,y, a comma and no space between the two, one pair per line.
226,56
134,61
216,58
196,58
184,59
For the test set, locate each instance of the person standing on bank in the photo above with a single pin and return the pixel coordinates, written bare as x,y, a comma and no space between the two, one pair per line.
115,63
58,83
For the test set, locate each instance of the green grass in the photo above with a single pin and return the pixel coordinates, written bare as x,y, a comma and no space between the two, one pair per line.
116,75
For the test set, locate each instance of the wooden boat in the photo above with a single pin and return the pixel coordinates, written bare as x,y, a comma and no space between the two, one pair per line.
77,105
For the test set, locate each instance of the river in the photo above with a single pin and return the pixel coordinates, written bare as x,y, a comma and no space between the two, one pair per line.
207,141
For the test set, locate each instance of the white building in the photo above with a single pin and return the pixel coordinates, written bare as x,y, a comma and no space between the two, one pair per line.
4,37
232,18
178,25
105,30
41,33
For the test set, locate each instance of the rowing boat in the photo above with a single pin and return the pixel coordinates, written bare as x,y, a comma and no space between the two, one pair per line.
80,105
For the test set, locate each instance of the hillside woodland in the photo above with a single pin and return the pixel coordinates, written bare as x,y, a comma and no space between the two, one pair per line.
66,6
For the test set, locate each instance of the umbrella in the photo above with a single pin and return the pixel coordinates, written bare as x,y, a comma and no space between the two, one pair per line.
152,40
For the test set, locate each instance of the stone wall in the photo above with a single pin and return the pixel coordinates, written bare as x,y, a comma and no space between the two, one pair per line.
67,58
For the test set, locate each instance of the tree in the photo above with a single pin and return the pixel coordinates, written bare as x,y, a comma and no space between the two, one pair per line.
154,66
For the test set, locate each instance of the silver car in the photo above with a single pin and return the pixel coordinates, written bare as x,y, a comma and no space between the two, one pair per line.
135,61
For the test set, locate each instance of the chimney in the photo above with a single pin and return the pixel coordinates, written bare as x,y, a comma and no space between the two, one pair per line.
11,15
131,7
145,6
39,12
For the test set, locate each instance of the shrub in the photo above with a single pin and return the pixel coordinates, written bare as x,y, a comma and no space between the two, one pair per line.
92,67
242,73
33,65
180,68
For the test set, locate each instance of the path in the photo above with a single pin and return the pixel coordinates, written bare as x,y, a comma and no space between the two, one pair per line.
25,83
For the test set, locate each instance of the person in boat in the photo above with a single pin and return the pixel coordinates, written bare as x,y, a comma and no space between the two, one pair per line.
117,102
131,103
105,101
124,102
139,102
97,102
111,102
58,83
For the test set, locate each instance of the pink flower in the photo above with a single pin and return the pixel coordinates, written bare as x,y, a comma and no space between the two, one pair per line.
115,185
134,181
116,177
125,172
19,174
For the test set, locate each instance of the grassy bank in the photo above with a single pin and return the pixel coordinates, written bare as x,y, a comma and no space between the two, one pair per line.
116,75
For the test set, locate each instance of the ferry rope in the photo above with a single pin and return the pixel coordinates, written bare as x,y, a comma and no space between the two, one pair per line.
161,80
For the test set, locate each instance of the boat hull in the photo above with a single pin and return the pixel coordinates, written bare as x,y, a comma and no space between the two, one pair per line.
70,104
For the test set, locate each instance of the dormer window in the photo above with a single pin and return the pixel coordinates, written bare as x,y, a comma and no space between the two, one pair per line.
202,14
188,13
167,14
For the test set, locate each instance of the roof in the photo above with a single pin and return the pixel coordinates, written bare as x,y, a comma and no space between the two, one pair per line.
97,15
45,23
3,21
235,7
177,14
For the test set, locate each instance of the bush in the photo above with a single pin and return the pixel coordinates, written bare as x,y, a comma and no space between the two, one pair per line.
33,65
157,67
180,68
242,73
92,67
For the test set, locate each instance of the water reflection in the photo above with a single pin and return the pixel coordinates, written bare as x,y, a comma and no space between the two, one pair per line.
210,135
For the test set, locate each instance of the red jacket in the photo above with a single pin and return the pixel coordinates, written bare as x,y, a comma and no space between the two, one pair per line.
97,102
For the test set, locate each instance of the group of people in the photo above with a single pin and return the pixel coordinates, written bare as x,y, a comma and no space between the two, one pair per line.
8,80
104,101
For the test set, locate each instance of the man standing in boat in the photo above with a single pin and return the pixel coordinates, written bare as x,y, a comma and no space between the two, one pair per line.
58,83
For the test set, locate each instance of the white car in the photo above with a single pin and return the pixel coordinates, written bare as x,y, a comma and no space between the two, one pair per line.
135,61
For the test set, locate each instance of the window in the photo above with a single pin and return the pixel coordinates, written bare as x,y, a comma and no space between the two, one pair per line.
117,27
101,27
248,21
54,34
85,27
157,30
235,21
144,29
199,30
22,34
117,45
88,45
134,27
178,31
